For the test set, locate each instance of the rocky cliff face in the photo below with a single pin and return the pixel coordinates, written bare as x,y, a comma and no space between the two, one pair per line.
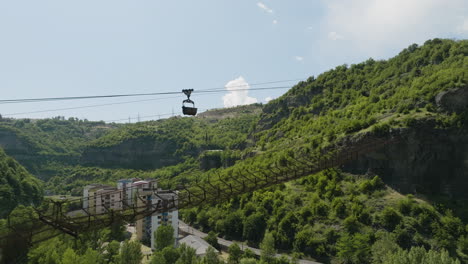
29,156
140,153
425,160
453,100
19,149
10,142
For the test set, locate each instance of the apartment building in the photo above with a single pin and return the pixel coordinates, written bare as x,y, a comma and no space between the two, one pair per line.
164,218
139,195
90,198
107,199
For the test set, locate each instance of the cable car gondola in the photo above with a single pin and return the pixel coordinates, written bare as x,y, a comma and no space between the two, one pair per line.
187,110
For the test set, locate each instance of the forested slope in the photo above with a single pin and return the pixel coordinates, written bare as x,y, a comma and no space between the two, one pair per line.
17,186
44,145
348,99
156,144
348,215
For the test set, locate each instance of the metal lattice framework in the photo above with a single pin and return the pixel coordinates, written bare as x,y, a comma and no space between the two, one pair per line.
69,217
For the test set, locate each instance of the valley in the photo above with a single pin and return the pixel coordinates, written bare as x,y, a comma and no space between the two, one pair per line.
392,201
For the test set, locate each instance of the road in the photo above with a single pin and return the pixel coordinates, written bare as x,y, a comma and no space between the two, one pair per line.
188,229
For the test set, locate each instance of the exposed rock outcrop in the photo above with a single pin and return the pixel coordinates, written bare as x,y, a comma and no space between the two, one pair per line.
453,100
425,160
140,153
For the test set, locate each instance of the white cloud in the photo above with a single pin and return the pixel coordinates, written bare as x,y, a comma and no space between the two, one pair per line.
264,7
268,99
379,26
234,98
464,25
299,58
334,36
275,22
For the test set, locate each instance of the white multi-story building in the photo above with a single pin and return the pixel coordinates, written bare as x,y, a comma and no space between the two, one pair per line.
170,217
125,185
108,199
147,225
141,196
90,198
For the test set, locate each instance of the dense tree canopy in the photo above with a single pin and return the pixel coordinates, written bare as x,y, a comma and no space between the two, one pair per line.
17,186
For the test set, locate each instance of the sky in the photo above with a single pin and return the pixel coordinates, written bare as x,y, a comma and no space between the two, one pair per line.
80,48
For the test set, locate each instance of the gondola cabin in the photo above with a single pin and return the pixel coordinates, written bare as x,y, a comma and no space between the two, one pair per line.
187,110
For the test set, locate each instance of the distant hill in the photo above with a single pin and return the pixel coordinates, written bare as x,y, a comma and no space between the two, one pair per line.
47,146
42,144
155,144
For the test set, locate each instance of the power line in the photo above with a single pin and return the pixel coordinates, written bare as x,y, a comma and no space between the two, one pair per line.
205,92
88,106
211,90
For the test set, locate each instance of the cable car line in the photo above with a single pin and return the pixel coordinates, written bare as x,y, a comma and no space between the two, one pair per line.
136,101
220,89
88,106
47,99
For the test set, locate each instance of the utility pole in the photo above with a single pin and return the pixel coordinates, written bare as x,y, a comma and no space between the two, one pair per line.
138,118
129,120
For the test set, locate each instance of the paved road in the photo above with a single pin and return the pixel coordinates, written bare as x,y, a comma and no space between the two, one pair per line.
188,229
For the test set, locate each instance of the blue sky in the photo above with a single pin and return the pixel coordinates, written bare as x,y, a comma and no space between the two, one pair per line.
74,48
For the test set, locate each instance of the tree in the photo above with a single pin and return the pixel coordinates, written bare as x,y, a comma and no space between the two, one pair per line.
268,248
131,253
112,251
211,257
385,245
233,226
170,254
117,230
46,252
287,229
158,258
248,253
164,237
70,257
15,245
351,224
248,261
93,257
353,248
417,255
254,227
235,254
187,255
190,216
212,239
390,218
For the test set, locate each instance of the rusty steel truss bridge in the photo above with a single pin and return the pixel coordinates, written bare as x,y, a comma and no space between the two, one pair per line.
55,216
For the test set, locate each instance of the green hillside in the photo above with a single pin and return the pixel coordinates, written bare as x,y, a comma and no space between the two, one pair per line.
339,217
42,145
352,98
17,186
156,144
